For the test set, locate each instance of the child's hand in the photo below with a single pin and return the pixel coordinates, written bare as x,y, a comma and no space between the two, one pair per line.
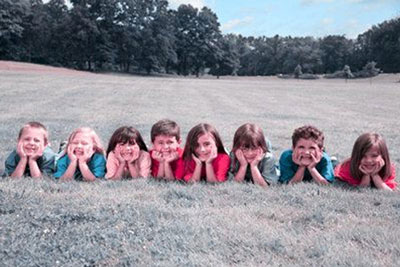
363,170
87,154
157,156
378,166
135,156
171,156
257,158
118,155
196,159
20,151
213,155
240,157
296,157
38,152
315,159
71,155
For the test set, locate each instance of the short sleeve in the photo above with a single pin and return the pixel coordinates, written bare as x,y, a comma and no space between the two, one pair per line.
285,166
326,168
269,171
390,181
221,167
47,165
61,168
111,165
98,165
10,164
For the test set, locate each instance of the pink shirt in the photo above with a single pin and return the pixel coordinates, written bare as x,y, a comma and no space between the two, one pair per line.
220,165
143,164
342,172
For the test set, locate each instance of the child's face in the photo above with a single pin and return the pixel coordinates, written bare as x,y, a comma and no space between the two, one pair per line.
165,144
371,159
305,148
81,143
127,150
32,140
204,147
250,153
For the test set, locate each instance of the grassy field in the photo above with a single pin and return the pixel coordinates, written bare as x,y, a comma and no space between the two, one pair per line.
145,222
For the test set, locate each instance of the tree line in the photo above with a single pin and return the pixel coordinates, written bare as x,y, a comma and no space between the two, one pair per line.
147,36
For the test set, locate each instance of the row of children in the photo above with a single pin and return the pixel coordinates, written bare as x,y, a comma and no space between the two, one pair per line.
203,157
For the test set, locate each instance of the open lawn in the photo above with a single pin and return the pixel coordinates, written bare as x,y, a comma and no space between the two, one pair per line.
146,222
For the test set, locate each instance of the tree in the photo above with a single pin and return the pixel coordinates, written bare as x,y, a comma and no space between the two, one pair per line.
12,14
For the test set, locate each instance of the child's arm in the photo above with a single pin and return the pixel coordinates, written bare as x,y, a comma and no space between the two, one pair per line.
157,156
144,164
70,170
210,174
115,165
133,164
221,167
255,172
241,173
326,175
33,165
377,179
195,177
168,173
286,165
21,166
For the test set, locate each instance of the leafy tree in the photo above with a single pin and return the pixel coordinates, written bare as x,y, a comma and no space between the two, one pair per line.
12,14
297,71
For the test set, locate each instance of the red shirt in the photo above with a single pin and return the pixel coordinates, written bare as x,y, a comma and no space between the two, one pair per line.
220,165
342,171
155,165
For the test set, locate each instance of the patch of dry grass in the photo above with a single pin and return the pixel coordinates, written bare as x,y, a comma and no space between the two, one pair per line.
154,223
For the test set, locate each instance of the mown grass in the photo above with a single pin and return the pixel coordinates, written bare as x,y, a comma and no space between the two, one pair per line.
147,222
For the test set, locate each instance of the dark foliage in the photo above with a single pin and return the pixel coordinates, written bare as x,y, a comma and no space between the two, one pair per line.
146,36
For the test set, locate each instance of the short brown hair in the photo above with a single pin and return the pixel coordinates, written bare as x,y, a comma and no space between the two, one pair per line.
363,143
37,125
308,132
165,127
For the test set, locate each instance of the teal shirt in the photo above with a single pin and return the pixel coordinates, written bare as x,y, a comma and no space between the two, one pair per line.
46,163
288,168
267,167
97,165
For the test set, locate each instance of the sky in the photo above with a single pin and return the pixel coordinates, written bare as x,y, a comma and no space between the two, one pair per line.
316,18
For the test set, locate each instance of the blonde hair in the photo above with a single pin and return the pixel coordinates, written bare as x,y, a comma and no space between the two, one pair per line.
97,145
37,125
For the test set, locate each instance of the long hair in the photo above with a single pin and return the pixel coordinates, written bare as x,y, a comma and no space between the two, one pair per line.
251,136
193,136
97,145
363,143
126,134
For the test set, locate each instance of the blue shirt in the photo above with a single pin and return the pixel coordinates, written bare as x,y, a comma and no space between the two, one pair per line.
97,165
288,168
46,163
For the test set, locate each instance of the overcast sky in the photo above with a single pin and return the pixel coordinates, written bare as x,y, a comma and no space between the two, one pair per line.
316,18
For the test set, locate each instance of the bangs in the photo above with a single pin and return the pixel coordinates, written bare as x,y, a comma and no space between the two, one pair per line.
127,137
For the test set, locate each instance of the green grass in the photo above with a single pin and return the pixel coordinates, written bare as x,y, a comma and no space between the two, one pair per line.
146,222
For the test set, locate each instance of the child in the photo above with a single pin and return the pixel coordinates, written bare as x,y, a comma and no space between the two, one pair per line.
369,164
306,160
127,155
33,157
165,136
204,156
83,157
251,161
